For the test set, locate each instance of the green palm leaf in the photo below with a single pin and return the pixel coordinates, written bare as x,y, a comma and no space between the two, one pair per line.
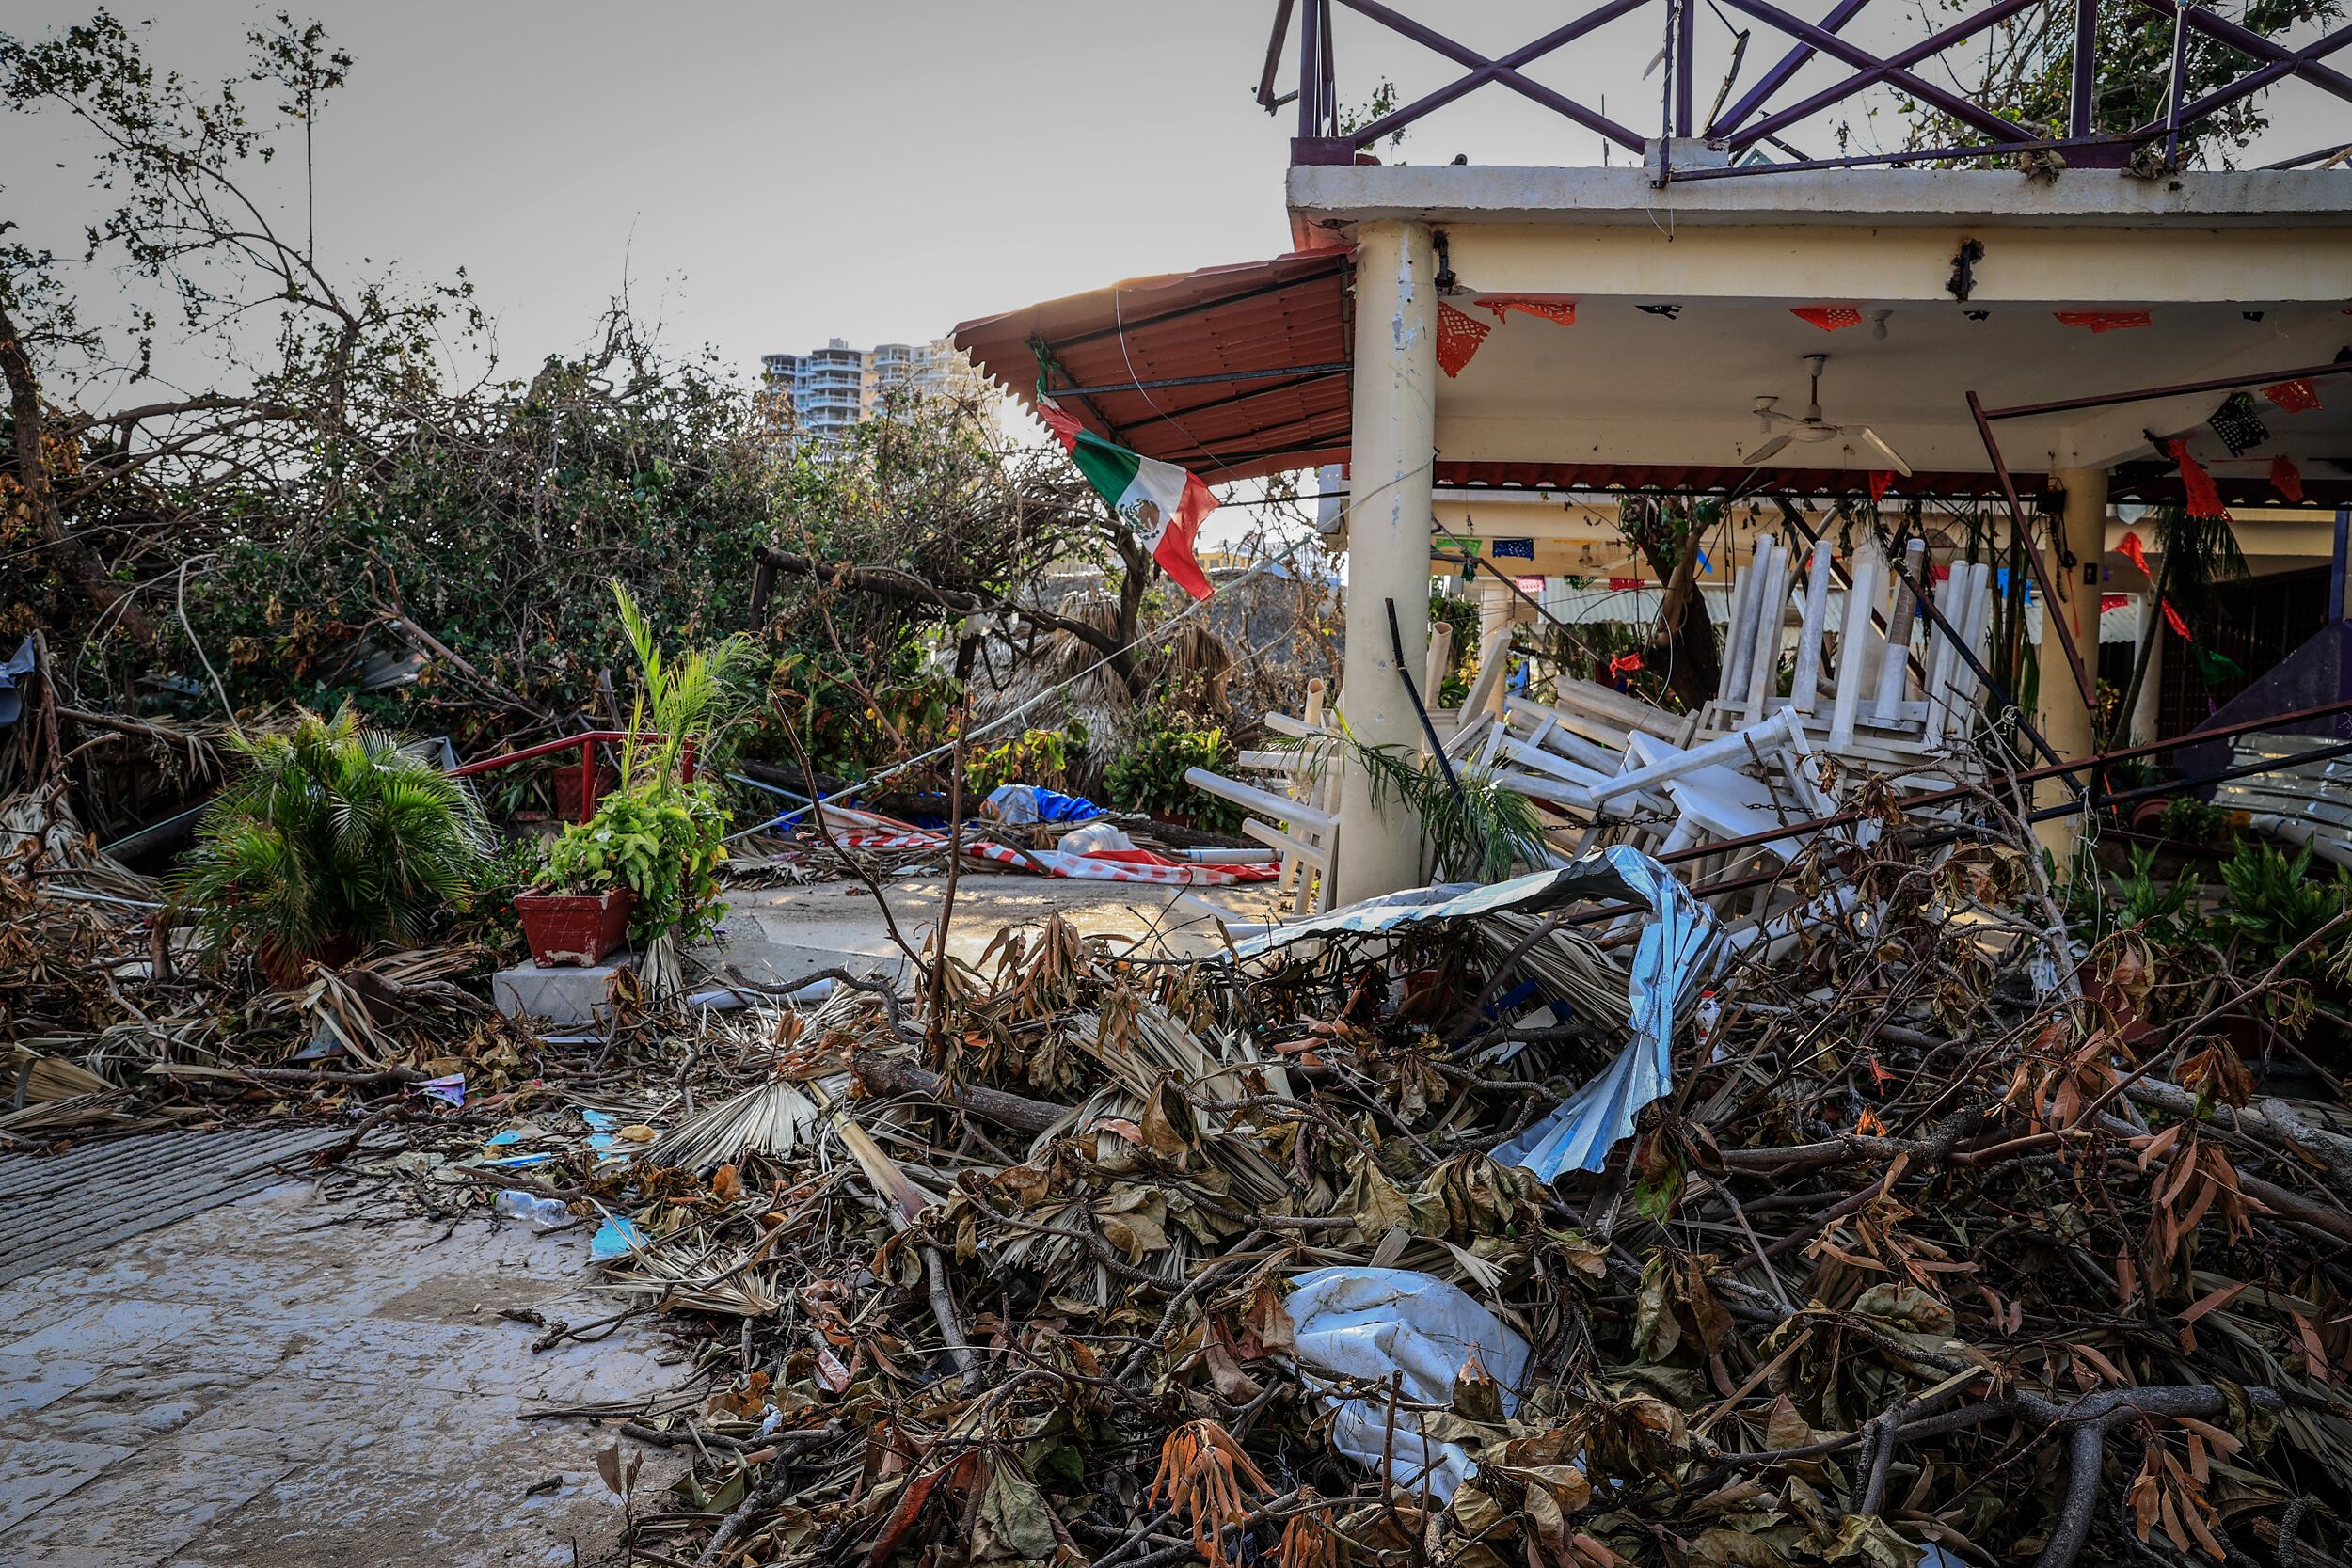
333,829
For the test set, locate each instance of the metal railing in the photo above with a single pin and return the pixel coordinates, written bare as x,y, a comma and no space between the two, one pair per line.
1744,124
586,745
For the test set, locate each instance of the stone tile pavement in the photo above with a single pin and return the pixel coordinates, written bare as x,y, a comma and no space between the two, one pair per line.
288,1380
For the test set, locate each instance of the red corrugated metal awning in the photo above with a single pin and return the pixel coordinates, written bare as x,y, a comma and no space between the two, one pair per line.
1230,372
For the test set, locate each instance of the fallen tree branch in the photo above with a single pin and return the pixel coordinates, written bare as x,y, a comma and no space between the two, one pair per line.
2088,1421
889,1075
893,583
2273,1120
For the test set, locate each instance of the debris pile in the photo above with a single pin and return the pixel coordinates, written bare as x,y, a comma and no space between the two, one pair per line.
1541,1222
1846,1193
1750,773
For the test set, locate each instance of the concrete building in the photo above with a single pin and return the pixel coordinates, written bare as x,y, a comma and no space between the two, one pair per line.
836,388
1445,329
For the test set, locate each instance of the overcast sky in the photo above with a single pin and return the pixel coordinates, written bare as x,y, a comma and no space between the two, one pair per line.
767,176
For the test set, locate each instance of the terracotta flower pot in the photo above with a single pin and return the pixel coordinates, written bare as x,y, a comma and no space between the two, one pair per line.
575,928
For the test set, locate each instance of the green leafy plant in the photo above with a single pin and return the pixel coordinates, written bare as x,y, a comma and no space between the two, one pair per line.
1476,834
334,832
487,919
2274,903
2193,821
2164,913
695,699
2028,69
661,839
1462,615
659,835
1034,757
1148,774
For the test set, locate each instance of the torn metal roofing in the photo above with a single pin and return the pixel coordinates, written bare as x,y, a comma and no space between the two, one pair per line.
1670,953
1261,351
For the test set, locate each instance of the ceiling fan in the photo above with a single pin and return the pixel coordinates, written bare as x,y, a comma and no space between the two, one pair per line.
1813,428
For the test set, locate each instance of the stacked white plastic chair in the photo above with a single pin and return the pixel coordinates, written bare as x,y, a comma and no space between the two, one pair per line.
1292,793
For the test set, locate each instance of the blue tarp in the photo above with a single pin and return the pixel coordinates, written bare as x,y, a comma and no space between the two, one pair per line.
18,663
1018,804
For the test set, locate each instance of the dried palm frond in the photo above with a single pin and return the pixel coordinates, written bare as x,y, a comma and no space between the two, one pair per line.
774,1118
720,1278
1145,1047
1477,827
1561,959
385,1007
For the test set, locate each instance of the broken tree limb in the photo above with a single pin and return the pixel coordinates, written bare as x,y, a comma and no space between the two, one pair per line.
449,657
893,583
887,1075
2086,1422
32,477
943,1309
2271,1121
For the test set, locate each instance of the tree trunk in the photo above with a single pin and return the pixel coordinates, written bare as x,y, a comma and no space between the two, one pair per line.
1137,577
1692,667
2121,727
32,476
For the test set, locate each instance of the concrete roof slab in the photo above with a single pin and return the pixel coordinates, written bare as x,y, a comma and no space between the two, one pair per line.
2259,198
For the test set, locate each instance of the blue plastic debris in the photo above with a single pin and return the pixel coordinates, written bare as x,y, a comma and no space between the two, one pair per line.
11,700
615,1238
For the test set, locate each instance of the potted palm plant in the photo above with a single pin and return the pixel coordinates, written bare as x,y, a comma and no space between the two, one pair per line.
334,837
645,864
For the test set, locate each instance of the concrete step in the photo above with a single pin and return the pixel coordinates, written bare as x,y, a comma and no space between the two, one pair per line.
567,996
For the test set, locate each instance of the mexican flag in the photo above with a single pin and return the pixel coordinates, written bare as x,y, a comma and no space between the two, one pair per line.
1161,501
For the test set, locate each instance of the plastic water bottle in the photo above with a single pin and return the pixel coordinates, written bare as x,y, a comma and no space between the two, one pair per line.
1708,1019
544,1212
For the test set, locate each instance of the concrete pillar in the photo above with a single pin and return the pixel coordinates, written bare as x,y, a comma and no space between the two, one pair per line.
2066,721
2150,703
1390,452
1494,607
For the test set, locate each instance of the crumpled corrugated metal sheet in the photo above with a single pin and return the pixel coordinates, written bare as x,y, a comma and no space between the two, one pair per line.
62,1205
1673,947
1666,962
1599,875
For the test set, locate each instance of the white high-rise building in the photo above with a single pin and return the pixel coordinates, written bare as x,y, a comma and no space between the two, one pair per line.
835,388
